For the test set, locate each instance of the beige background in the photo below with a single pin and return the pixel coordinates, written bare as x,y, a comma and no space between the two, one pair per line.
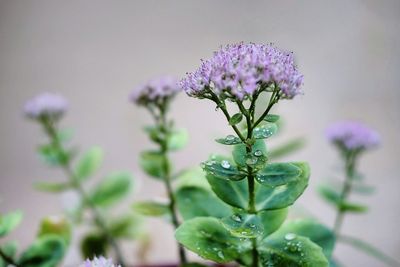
95,52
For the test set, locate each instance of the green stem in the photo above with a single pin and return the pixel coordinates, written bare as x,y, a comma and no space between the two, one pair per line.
167,179
346,190
273,100
8,259
66,166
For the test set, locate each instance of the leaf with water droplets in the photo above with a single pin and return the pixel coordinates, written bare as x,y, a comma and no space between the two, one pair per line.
277,197
223,168
289,249
195,201
210,240
275,174
272,219
229,140
318,233
265,131
271,118
240,155
236,118
243,225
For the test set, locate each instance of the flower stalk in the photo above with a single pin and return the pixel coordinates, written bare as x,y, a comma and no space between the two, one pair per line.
51,132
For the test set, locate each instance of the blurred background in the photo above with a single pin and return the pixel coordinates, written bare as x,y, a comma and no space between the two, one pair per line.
95,52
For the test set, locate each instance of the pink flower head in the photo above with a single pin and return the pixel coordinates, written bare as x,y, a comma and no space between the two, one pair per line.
155,90
237,71
352,135
46,105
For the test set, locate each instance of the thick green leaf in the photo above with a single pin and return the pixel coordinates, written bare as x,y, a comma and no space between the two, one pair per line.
333,197
126,226
240,155
236,118
47,251
222,168
278,197
287,148
151,208
243,225
10,250
232,193
329,194
153,163
51,187
52,155
93,245
55,225
229,140
209,239
272,219
9,222
276,174
318,233
89,163
177,139
352,207
112,189
271,118
267,198
196,201
265,131
289,249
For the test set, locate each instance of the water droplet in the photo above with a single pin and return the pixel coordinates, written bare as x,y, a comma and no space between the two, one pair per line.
209,163
221,254
236,218
258,153
225,164
290,236
251,161
230,138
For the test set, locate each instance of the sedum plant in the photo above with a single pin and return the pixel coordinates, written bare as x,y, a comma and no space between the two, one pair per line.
48,248
248,227
352,139
47,110
156,96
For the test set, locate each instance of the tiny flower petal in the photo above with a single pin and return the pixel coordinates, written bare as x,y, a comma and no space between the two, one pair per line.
99,262
352,135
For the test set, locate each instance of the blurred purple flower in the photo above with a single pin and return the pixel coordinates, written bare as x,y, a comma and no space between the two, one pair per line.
155,90
99,262
46,104
352,135
238,70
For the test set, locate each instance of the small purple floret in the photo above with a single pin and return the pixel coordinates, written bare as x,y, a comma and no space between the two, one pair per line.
352,135
155,90
99,262
238,70
46,105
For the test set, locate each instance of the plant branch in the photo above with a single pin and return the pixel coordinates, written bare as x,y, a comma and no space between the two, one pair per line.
66,166
8,259
346,190
168,177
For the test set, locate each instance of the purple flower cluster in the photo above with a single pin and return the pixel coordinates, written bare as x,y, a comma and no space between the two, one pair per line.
155,90
99,262
352,135
238,70
46,104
